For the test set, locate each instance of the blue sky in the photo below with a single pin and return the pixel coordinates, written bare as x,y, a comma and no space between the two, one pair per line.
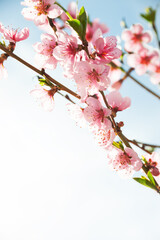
54,179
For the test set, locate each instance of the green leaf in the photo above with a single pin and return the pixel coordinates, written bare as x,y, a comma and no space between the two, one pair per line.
115,144
121,145
145,182
144,160
42,81
118,145
77,26
82,17
149,15
151,178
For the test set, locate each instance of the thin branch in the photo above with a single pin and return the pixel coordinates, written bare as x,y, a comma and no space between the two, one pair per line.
143,145
50,21
156,33
137,145
143,86
105,100
115,127
66,96
138,82
41,72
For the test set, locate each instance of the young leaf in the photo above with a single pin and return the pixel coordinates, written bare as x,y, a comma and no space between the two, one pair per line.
149,15
145,182
115,144
144,160
82,17
118,145
151,178
121,145
77,26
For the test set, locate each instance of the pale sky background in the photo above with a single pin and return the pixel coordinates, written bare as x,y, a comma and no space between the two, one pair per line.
54,180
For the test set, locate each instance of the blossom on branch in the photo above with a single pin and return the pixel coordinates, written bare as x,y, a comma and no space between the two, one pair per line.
39,10
44,97
104,136
105,48
135,38
141,60
67,52
13,35
96,114
44,57
91,78
117,102
124,162
154,70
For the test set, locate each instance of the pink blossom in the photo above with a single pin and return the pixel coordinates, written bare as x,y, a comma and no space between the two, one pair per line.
141,61
77,114
44,97
125,162
103,136
154,70
115,75
67,52
91,78
117,102
92,28
96,114
39,10
3,71
15,35
1,27
72,9
44,56
106,49
154,163
135,37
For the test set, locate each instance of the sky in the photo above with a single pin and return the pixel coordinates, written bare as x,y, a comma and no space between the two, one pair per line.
55,183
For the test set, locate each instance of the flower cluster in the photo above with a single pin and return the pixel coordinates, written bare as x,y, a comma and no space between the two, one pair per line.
142,56
90,59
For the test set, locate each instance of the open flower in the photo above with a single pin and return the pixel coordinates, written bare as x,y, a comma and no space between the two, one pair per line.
154,70
96,114
117,102
13,35
141,60
39,10
105,48
44,97
91,78
124,162
135,37
44,57
77,114
104,136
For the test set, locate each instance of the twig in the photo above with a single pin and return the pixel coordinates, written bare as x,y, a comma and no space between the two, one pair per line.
41,72
143,86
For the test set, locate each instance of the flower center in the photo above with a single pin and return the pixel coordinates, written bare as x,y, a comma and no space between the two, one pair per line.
42,8
94,75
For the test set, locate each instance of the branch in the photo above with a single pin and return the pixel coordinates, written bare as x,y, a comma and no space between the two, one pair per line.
143,86
136,81
41,72
137,143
